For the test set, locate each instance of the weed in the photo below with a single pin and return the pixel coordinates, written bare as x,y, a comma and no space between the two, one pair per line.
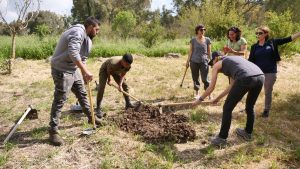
209,151
9,146
106,164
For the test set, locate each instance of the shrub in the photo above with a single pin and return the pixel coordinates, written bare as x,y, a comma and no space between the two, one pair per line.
151,33
124,23
281,25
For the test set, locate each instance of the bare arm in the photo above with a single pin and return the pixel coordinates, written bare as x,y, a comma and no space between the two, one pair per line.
225,92
189,55
209,51
216,68
296,35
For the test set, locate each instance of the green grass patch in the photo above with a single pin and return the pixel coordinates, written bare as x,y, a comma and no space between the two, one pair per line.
38,133
164,150
9,146
198,116
3,159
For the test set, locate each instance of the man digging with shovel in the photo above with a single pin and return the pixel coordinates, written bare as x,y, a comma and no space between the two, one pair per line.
117,67
71,52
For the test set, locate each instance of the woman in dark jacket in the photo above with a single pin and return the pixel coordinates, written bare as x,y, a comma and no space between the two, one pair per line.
265,55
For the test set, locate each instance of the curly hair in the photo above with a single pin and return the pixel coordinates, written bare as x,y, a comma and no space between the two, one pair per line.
235,30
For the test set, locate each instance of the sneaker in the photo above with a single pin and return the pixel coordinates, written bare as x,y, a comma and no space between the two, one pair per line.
129,105
55,139
97,120
100,114
243,134
76,107
218,141
265,114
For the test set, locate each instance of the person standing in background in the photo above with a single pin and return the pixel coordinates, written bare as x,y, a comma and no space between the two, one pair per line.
198,56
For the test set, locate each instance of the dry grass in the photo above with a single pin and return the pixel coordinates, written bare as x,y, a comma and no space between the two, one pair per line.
276,142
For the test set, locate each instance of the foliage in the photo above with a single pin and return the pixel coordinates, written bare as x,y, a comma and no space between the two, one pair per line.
54,23
214,16
42,30
280,6
151,34
281,26
106,10
124,23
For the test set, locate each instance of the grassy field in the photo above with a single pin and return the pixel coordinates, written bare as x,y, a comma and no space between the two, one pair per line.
30,47
276,141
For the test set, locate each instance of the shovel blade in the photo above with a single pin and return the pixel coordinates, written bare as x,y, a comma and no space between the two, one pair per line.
88,132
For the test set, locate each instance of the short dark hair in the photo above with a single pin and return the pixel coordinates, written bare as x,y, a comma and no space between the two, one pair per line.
235,30
91,21
128,58
198,27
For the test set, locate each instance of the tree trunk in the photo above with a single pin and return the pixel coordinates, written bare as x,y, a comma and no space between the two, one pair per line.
13,53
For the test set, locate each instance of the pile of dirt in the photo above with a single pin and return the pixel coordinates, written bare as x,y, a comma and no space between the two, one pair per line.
156,127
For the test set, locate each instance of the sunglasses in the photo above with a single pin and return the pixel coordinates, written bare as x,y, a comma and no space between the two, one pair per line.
259,33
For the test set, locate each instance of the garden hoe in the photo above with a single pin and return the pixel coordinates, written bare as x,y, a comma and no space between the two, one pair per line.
90,131
30,113
183,76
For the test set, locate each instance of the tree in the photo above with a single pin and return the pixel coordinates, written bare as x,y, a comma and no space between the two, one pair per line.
23,9
124,23
106,10
280,6
54,22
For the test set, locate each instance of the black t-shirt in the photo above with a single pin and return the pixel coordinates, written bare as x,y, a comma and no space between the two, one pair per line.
264,58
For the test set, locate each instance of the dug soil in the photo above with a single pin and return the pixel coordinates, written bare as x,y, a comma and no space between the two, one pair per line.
155,127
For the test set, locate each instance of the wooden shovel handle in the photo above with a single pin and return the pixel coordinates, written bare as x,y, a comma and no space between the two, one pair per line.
91,104
185,104
127,94
183,76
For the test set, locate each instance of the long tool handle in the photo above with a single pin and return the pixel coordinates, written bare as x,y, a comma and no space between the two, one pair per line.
183,76
17,125
91,104
127,94
185,104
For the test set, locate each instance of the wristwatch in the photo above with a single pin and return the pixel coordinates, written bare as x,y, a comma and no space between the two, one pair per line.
201,99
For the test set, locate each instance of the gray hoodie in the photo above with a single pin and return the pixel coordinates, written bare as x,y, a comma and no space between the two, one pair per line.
74,45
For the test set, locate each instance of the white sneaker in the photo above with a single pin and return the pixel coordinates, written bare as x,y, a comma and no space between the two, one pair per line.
197,97
76,107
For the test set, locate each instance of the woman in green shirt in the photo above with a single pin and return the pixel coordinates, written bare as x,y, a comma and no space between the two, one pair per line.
236,45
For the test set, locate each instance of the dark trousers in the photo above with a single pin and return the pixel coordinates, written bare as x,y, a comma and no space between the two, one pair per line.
64,83
250,85
201,68
102,83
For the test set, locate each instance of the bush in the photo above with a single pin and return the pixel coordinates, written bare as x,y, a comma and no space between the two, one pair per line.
124,23
42,30
151,33
281,26
216,18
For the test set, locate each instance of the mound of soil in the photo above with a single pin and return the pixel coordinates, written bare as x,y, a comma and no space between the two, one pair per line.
156,127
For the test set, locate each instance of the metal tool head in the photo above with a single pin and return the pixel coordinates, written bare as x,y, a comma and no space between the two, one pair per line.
88,132
32,114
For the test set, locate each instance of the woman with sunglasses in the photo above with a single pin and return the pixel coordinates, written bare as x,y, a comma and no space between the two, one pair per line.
265,55
236,45
199,53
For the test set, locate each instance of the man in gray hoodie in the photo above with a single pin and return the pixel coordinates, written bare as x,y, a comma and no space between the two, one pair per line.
70,54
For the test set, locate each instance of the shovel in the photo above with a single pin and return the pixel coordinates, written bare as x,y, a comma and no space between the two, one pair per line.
90,131
30,113
183,76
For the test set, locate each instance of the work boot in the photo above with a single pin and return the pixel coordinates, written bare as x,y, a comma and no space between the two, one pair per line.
265,114
55,139
100,113
128,104
243,134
